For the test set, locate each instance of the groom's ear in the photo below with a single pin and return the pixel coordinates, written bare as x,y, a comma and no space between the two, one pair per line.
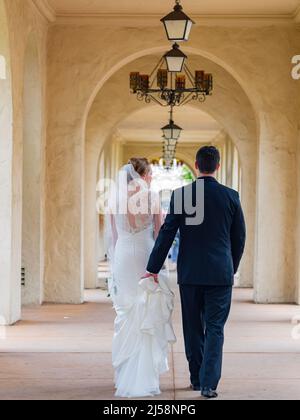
196,166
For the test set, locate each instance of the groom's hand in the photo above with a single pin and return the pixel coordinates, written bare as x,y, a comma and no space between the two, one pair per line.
148,275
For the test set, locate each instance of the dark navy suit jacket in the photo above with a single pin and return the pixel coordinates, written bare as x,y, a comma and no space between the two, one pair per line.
210,252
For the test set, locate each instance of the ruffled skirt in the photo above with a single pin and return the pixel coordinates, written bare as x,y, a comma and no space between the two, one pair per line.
143,326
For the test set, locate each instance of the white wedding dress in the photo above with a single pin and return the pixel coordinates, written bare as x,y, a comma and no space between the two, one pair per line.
143,327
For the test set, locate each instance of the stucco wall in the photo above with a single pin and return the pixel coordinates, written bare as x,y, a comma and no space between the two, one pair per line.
80,59
296,51
255,101
32,262
22,19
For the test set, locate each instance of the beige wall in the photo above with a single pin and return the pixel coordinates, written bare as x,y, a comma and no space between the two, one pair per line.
105,166
87,97
242,128
297,224
32,291
22,19
242,57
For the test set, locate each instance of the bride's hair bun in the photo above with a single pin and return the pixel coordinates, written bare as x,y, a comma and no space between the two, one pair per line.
141,165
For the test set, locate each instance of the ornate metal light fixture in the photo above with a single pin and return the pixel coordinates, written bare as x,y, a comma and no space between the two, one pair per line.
175,59
172,88
170,147
172,131
177,24
171,134
169,150
172,83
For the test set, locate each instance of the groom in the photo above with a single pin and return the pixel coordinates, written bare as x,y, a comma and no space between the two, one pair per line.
210,253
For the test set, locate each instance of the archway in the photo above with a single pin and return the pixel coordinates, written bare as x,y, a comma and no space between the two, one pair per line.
97,64
10,283
113,105
32,158
157,51
163,180
65,278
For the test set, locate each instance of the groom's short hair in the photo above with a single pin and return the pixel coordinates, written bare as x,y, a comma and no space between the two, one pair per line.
208,158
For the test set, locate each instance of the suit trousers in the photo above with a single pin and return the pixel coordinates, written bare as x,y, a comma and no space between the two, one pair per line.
205,310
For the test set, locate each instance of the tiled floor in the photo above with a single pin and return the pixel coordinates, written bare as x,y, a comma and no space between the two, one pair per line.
63,352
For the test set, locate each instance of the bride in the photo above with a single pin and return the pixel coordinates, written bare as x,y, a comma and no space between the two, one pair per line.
143,328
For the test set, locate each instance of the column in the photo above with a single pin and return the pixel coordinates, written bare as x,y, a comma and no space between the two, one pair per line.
275,257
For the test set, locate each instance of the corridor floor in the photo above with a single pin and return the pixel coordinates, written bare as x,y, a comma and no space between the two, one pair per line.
63,352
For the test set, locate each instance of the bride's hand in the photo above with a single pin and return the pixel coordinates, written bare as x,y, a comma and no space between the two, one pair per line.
149,275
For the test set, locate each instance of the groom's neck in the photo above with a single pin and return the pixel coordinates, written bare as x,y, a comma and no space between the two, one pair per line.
201,175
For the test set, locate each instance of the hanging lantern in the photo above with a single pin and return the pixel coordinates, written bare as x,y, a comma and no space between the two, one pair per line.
176,83
170,146
199,79
172,142
172,131
180,82
177,24
135,81
208,83
162,78
168,164
144,81
175,59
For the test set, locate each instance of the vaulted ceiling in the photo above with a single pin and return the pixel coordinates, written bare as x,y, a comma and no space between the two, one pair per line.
281,9
144,125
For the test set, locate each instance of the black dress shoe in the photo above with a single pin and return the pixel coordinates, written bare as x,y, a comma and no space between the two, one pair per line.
209,393
195,387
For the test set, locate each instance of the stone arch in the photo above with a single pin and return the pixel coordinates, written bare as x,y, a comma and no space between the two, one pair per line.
244,142
188,144
91,63
217,113
157,50
32,290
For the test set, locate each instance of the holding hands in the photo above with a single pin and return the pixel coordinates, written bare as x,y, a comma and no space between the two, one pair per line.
150,275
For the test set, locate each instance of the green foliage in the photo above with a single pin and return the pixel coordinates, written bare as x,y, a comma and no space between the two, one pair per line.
187,174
